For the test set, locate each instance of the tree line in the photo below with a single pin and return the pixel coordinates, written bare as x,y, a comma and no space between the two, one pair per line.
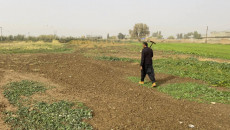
45,38
141,31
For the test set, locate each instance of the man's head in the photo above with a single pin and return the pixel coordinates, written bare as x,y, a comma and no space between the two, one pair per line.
145,44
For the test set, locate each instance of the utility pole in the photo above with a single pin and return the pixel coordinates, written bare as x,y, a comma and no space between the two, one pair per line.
206,41
1,33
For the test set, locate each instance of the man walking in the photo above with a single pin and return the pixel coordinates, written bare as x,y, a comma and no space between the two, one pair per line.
147,64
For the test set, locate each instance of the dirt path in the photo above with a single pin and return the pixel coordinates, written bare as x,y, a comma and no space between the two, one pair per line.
117,103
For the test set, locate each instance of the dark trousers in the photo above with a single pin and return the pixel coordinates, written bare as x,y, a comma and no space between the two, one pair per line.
148,69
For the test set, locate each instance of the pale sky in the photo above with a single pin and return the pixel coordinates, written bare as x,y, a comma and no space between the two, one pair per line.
99,17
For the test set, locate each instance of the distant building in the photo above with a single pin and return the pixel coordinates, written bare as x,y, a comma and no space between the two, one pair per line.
222,34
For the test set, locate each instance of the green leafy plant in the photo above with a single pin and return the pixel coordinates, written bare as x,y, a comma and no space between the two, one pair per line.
15,90
196,92
44,116
41,115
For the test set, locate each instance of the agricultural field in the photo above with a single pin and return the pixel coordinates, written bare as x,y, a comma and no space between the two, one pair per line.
204,50
94,85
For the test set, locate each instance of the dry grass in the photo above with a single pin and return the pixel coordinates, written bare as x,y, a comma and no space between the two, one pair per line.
32,47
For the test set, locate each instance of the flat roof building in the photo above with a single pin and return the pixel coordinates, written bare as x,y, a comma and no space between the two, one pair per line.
223,34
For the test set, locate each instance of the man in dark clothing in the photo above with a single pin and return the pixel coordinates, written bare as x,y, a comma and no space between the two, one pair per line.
147,64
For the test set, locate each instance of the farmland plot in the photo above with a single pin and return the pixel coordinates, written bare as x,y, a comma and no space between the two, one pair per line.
100,81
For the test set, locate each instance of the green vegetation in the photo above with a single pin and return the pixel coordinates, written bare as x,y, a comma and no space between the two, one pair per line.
196,92
194,34
157,35
41,115
44,38
200,49
50,38
217,74
140,30
44,116
109,58
206,50
191,91
171,37
121,36
15,90
34,47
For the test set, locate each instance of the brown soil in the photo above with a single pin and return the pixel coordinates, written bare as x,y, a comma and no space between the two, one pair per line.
103,86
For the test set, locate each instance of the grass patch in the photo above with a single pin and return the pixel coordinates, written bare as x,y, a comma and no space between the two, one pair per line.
217,74
41,115
200,49
191,91
110,58
34,47
196,92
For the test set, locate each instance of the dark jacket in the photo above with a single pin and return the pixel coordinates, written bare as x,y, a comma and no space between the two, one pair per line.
146,56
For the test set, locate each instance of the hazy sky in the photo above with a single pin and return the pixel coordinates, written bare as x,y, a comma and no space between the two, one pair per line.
95,17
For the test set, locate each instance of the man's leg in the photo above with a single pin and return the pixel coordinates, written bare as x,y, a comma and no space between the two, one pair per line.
151,74
143,73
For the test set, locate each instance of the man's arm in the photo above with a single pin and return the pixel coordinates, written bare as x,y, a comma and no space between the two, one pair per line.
142,57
